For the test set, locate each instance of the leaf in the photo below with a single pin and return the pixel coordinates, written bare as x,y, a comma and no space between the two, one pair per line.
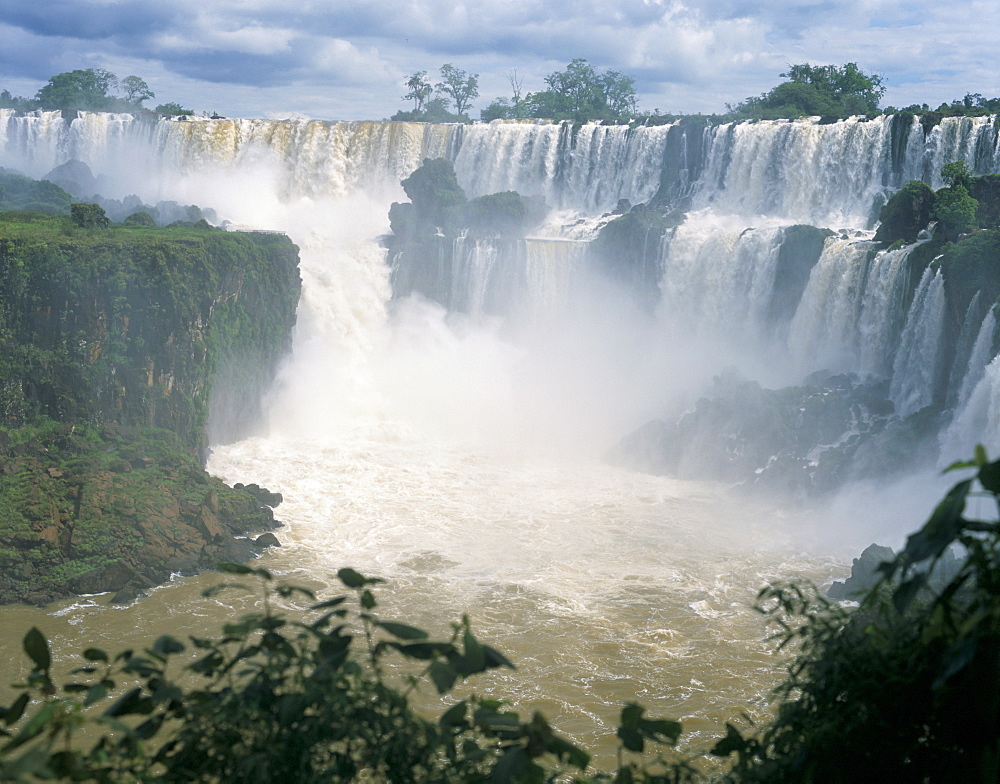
368,600
149,727
455,715
631,739
904,595
989,477
660,730
511,767
353,579
329,603
733,741
233,568
130,703
166,645
443,675
475,659
981,457
402,630
37,648
566,751
494,658
14,713
95,654
631,714
941,529
95,693
33,727
425,650
959,465
286,591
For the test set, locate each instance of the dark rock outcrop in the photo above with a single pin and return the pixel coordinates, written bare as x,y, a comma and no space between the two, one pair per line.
864,573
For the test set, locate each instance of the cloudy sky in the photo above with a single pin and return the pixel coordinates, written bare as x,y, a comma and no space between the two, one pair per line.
348,59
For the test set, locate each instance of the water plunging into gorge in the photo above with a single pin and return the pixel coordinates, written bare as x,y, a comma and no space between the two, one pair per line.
455,447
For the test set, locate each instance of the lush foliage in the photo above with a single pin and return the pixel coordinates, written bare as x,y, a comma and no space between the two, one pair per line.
92,90
907,687
110,335
970,105
23,193
579,93
275,700
828,91
456,87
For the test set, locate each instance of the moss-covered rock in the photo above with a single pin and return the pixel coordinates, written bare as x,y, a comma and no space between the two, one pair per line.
906,214
628,248
112,341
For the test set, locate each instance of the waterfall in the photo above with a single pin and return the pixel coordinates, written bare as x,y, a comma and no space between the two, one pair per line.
717,280
588,168
978,421
440,425
915,372
828,175
979,358
851,312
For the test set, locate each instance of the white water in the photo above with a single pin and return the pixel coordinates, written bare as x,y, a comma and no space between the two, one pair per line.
458,453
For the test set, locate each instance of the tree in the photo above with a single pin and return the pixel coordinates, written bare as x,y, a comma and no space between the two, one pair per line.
420,90
580,93
8,101
955,210
577,91
460,86
826,90
89,216
516,80
88,90
172,110
136,90
956,173
619,94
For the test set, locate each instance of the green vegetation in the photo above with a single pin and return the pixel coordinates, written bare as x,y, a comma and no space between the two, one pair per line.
92,90
827,91
18,193
966,242
971,105
111,336
904,688
580,93
456,87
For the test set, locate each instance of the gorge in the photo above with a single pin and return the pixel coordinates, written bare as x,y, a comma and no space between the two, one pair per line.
443,427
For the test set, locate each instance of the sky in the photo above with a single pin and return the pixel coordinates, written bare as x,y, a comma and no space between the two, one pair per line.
349,59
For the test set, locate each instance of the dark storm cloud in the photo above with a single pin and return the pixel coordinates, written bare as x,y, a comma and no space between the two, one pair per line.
88,20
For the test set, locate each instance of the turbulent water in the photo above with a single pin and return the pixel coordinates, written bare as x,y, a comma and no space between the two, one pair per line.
456,451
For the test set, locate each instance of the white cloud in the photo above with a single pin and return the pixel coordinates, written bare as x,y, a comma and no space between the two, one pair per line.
694,55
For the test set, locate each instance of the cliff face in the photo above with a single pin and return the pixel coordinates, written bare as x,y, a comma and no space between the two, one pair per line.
111,342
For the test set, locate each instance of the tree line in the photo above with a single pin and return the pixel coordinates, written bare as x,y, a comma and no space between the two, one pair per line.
91,90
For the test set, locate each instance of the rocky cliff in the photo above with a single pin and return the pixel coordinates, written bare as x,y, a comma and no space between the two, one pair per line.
113,342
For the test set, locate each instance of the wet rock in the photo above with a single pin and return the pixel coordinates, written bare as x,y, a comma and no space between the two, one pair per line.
864,573
267,540
128,594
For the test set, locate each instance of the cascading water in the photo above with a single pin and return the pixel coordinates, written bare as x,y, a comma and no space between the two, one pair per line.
917,368
457,456
851,312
